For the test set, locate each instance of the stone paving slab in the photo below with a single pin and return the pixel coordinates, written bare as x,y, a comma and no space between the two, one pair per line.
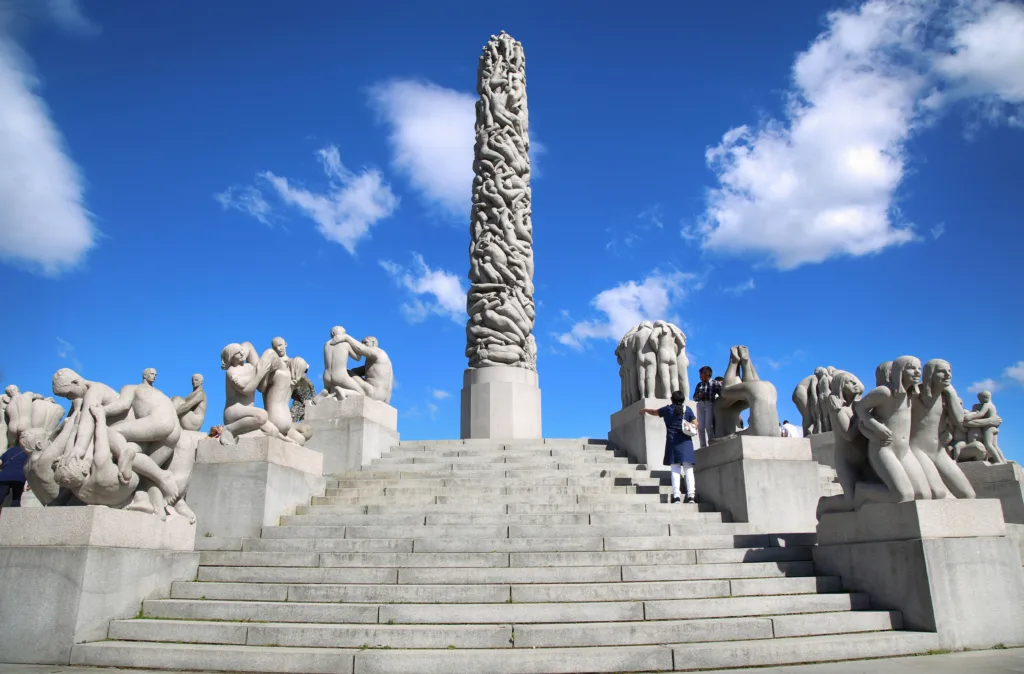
1003,661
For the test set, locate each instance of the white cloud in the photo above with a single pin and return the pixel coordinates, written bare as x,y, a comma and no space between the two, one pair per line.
432,408
66,351
984,385
247,199
434,291
69,16
938,230
439,394
43,219
740,288
823,181
629,303
625,236
1015,372
431,136
350,207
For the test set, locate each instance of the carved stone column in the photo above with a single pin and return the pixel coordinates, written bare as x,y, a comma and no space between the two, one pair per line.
500,394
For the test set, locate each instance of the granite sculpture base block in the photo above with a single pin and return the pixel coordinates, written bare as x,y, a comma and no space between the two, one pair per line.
772,483
236,490
947,565
65,573
500,402
1004,481
823,448
351,433
641,437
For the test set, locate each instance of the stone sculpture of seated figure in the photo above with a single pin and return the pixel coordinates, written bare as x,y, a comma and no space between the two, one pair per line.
742,389
96,480
374,380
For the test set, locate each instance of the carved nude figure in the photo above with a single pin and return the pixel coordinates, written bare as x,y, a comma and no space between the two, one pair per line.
626,357
43,452
806,401
243,374
742,389
885,417
31,410
929,406
982,426
338,382
95,479
646,360
377,374
281,383
191,410
823,386
83,394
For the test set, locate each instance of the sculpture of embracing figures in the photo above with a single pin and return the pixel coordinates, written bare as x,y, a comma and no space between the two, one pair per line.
652,362
374,380
810,397
276,375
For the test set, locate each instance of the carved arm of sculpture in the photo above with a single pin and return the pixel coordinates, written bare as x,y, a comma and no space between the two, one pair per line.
844,418
952,406
870,426
247,385
358,371
189,403
122,403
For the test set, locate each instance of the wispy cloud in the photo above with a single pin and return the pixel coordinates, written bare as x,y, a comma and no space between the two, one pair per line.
629,303
432,291
44,223
624,237
247,199
431,138
66,351
69,16
438,394
938,230
822,181
739,288
1012,376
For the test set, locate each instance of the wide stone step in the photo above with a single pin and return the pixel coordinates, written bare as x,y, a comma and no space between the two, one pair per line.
502,575
761,652
485,458
337,486
423,471
486,491
471,499
323,592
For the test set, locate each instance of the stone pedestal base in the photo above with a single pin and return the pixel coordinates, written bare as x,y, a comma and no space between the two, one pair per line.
500,402
641,437
772,483
946,565
237,490
65,573
351,433
823,448
1004,481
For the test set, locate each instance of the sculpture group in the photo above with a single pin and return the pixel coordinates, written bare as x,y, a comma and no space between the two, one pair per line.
123,449
500,299
652,362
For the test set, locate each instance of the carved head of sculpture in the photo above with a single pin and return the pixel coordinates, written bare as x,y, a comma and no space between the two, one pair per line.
298,368
33,439
906,375
279,346
937,375
12,390
846,386
231,355
149,375
983,397
197,381
71,472
370,342
69,384
883,373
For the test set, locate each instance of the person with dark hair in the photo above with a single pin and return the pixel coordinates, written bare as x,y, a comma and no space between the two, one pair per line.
705,394
680,427
12,475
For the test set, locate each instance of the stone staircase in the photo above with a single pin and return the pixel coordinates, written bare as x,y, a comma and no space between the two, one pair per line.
486,557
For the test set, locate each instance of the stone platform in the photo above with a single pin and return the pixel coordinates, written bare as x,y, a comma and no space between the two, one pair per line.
65,573
500,402
351,433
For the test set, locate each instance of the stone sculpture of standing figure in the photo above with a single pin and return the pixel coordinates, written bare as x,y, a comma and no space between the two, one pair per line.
500,299
982,430
742,389
935,399
652,362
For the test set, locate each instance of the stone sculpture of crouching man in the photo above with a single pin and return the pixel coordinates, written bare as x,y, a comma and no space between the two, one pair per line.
96,480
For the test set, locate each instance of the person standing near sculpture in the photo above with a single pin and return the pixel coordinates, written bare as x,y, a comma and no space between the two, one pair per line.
12,475
705,394
680,426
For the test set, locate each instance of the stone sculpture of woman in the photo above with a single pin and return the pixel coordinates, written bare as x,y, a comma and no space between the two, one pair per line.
243,375
280,385
884,416
936,398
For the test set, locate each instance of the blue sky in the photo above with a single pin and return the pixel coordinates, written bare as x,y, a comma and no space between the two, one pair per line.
830,186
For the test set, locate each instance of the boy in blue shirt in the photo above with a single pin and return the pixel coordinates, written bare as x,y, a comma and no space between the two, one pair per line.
12,475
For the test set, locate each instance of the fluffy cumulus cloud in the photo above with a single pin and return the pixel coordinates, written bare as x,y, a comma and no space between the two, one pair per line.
740,288
344,213
990,385
1012,375
822,181
628,303
44,223
432,292
431,137
438,394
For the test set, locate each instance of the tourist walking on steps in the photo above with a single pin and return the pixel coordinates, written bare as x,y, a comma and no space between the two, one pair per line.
705,395
680,425
12,475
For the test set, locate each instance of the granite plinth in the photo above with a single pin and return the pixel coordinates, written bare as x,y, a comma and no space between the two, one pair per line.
236,490
351,433
1004,481
772,483
500,402
65,573
945,564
